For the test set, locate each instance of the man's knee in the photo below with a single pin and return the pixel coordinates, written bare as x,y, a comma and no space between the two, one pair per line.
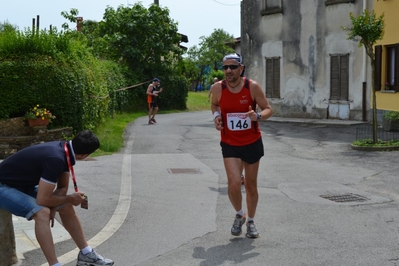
42,215
67,209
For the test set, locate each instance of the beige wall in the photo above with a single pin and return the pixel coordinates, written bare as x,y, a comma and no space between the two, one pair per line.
390,9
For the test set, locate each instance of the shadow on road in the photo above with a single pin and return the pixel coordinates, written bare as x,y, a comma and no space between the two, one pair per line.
237,251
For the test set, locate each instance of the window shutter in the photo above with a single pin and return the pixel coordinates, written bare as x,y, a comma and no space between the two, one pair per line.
276,78
397,67
378,65
344,76
334,78
269,78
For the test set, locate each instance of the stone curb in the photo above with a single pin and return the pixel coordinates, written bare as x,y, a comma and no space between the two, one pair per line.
366,148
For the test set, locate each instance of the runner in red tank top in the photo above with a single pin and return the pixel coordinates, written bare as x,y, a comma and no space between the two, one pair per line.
234,102
239,130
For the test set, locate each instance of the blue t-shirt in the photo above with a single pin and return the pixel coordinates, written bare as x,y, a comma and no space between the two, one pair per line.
26,167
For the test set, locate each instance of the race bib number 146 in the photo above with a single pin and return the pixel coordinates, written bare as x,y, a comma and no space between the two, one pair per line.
238,121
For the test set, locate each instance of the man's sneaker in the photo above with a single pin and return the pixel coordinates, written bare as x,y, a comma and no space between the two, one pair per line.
150,122
251,230
153,120
92,259
238,222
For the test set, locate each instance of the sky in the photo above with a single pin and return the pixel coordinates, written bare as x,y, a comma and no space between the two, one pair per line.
195,18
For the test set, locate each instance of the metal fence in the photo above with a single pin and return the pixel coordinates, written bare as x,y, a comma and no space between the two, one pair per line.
366,132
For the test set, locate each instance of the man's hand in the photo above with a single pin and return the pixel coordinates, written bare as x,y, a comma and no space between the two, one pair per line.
77,198
251,114
53,211
218,123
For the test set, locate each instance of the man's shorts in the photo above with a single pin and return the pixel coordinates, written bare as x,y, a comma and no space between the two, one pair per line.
250,153
153,105
20,202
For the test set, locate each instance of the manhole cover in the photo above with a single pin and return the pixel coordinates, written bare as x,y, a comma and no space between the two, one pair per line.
345,198
184,171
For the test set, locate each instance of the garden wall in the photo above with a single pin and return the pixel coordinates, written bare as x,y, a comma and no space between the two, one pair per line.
15,135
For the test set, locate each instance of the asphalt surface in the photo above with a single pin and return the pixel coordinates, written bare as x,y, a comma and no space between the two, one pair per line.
163,199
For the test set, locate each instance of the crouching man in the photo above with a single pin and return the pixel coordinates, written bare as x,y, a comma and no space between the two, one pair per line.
34,184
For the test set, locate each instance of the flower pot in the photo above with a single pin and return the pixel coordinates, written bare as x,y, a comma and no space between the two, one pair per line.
38,122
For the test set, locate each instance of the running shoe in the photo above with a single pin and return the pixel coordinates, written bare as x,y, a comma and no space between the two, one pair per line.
92,259
150,122
153,120
251,230
238,222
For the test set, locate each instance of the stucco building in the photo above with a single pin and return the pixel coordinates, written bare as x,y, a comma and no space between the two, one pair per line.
387,57
299,53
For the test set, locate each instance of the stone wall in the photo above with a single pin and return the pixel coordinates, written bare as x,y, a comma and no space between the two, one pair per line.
15,135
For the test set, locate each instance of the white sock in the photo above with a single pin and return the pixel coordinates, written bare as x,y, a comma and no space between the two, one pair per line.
57,264
240,212
86,250
250,219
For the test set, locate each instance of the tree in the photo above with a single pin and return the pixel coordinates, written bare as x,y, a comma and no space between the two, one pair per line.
208,56
197,65
215,46
6,26
7,240
145,39
370,29
143,42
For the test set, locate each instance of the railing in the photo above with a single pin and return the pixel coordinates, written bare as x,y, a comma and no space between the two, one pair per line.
366,132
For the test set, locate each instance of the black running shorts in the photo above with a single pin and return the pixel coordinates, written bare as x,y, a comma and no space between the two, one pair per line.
250,153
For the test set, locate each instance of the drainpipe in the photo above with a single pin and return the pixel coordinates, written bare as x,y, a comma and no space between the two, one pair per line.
364,50
364,72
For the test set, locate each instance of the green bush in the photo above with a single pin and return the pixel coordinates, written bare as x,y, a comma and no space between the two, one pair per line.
58,72
174,94
391,115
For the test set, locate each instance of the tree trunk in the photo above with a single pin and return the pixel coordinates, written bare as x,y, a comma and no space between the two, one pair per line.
8,254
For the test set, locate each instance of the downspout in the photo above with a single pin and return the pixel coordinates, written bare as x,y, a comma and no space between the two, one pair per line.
364,50
364,83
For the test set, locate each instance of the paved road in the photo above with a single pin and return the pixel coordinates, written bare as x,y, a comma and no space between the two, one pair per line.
162,200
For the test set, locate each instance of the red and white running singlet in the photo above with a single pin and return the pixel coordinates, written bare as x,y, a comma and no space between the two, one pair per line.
238,129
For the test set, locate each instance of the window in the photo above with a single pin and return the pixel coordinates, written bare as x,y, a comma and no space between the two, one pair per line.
273,77
392,66
271,7
339,77
333,2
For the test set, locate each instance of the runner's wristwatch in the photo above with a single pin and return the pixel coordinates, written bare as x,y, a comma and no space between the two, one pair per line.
258,116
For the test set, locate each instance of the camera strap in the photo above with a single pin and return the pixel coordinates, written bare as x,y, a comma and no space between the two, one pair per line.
70,167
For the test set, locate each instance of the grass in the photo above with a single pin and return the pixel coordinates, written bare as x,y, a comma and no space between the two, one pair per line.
111,132
379,143
198,101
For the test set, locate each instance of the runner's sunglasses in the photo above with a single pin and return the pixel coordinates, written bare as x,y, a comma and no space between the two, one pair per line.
232,67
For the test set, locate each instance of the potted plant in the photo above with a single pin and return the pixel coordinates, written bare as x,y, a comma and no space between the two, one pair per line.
390,121
39,116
